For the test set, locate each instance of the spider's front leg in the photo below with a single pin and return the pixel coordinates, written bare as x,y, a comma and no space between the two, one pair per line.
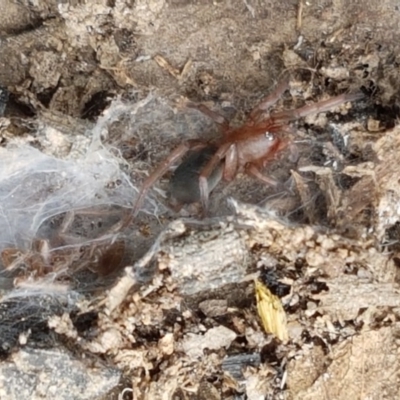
184,186
219,119
322,106
163,167
268,101
209,169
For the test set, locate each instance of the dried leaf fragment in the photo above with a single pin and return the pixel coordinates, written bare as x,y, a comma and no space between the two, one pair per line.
175,72
271,312
163,63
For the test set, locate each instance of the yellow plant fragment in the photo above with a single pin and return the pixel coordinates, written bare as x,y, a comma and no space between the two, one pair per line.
271,312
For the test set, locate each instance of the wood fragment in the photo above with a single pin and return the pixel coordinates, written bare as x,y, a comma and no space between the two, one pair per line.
300,15
333,195
305,195
186,68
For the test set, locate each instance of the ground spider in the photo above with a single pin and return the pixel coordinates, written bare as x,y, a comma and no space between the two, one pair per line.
244,149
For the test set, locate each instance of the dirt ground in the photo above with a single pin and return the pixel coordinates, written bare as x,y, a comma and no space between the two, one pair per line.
166,309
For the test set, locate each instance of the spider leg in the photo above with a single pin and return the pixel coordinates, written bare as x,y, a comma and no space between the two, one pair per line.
207,171
253,171
231,163
322,106
219,119
178,153
67,222
269,101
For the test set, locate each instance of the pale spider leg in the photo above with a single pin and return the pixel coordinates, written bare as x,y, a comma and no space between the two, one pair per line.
207,171
61,238
123,223
219,119
269,101
112,231
67,222
322,106
253,171
231,163
178,153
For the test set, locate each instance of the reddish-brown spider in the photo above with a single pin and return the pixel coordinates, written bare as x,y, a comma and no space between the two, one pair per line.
244,149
